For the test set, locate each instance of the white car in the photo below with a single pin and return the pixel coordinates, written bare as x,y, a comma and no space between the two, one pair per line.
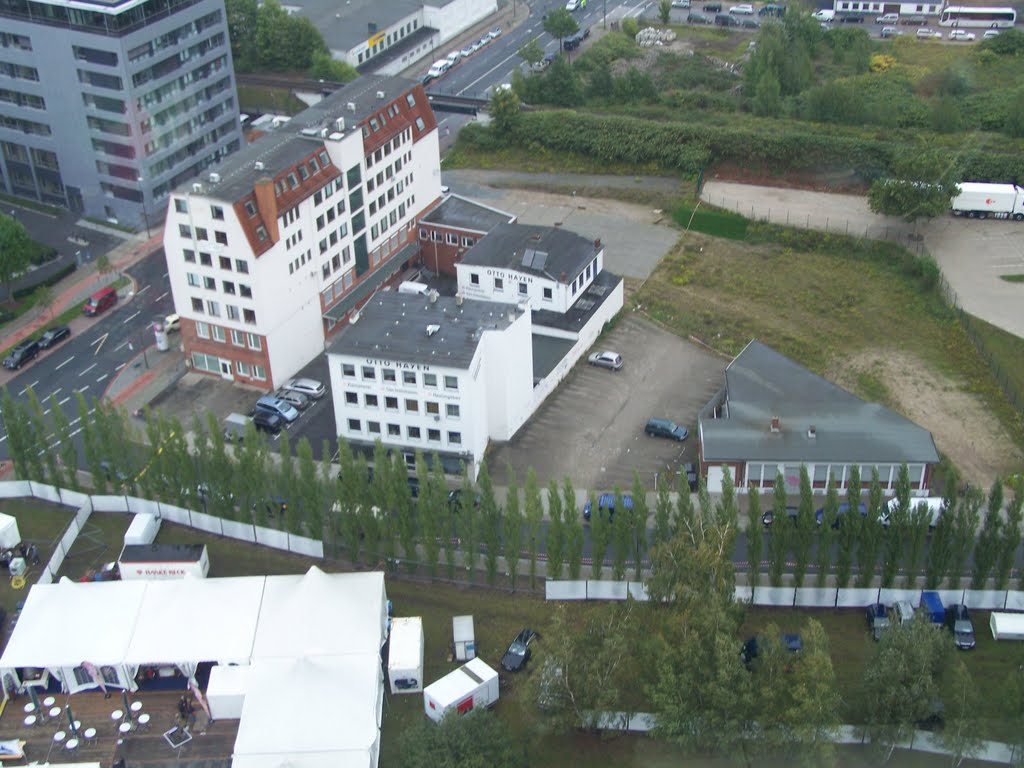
468,51
572,5
309,387
606,359
172,323
928,34
680,3
293,398
825,14
990,33
960,34
495,33
453,58
742,10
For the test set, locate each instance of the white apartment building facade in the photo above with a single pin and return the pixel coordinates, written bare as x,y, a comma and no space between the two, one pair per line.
273,249
432,373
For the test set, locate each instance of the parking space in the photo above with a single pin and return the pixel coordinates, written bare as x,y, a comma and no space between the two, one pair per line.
592,427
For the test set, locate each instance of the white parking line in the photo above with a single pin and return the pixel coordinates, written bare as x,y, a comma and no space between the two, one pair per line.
66,399
46,412
145,288
162,295
122,345
88,369
165,274
75,432
131,317
101,378
55,392
64,363
3,438
82,389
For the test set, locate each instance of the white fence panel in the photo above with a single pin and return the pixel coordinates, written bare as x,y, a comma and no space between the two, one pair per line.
143,506
642,722
174,514
208,523
268,537
847,734
985,599
83,513
74,498
890,596
779,596
109,504
637,590
951,596
995,752
606,590
302,545
856,598
815,598
69,536
565,590
1014,601
15,489
45,492
237,530
743,594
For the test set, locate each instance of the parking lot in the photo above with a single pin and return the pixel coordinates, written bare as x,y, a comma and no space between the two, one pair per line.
592,427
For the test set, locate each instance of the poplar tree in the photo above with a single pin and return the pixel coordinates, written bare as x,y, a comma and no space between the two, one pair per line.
490,521
639,520
600,536
965,525
899,527
848,533
430,513
469,528
621,524
1010,541
869,543
513,529
782,530
663,513
755,536
16,428
826,533
572,530
986,550
556,534
534,505
90,443
803,534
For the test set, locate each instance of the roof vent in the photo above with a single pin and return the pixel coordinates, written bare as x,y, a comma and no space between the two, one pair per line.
197,188
432,329
775,424
339,125
259,165
351,107
214,178
354,317
812,432
597,244
458,299
380,95
434,295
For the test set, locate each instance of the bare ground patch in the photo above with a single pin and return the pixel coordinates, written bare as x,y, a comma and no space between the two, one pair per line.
963,427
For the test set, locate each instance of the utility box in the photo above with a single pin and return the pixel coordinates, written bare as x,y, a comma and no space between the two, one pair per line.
465,638
10,537
143,530
931,604
405,655
472,686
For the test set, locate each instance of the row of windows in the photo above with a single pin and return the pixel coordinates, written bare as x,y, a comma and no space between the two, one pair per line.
210,284
10,40
304,171
764,474
212,308
391,37
202,234
299,261
451,238
391,403
412,433
391,146
330,214
390,376
499,286
238,338
241,265
212,364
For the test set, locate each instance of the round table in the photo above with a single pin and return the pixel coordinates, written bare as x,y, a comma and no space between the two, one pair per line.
55,712
144,720
117,714
136,706
31,720
49,701
78,725
59,736
90,734
124,727
71,745
29,708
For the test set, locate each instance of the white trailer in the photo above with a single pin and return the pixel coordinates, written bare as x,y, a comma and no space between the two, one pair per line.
465,639
1007,626
981,201
405,655
164,561
472,686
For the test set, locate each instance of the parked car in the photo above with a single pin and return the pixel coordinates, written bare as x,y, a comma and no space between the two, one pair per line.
691,476
680,3
819,515
825,14
309,387
296,399
277,407
878,620
606,359
962,34
959,620
990,33
888,18
469,50
267,422
928,34
890,32
665,428
495,33
518,652
697,18
100,301
772,10
725,20
21,353
455,500
752,648
712,8
607,501
172,324
742,10
54,336
453,58
903,610
750,24
769,517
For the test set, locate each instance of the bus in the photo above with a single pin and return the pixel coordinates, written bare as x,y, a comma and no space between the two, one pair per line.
963,16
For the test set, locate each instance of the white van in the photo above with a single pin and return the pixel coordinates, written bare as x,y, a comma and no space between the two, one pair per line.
888,18
936,506
825,14
438,68
453,58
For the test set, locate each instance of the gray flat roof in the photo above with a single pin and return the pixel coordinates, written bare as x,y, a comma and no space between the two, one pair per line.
394,326
346,25
548,351
460,212
586,304
761,384
540,250
370,283
282,147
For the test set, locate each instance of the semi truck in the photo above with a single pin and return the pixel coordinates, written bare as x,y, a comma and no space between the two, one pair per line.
981,201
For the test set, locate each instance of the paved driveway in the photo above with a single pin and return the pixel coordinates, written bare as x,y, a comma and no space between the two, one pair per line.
972,254
591,427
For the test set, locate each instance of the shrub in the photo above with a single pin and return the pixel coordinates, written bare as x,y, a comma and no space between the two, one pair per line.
630,28
881,62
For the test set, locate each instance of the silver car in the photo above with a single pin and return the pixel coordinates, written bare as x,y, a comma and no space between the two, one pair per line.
293,398
311,388
606,359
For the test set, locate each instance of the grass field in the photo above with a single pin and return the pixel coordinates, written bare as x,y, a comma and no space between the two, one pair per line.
40,523
254,98
539,160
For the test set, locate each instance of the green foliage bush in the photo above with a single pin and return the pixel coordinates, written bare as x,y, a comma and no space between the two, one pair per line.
711,221
630,28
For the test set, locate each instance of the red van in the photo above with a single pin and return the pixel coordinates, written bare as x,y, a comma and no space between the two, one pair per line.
103,299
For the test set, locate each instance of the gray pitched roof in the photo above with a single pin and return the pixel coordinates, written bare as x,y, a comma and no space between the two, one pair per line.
548,251
463,213
394,326
762,384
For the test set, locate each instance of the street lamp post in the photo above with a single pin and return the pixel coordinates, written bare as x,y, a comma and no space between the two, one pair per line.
145,212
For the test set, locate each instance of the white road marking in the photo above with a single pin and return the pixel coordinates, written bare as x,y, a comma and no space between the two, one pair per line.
162,295
46,412
3,438
52,394
101,378
122,365
66,399
64,363
130,318
87,369
122,346
165,274
82,389
75,432
145,288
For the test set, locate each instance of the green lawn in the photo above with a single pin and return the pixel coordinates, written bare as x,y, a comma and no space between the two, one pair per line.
40,523
256,98
1006,353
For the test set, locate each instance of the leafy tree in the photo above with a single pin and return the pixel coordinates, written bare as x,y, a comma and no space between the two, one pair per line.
965,524
469,524
310,490
90,443
630,27
490,524
869,540
767,100
600,84
220,472
755,537
350,496
531,52
556,532
284,42
921,185
826,533
432,511
560,24
902,677
562,85
103,265
1010,541
848,533
534,505
405,510
242,17
572,530
324,67
18,435
917,528
513,529
601,533
67,450
474,740
15,249
684,514
961,703
899,525
665,11
986,550
945,117
784,53
39,461
42,299
1013,124
621,531
504,110
803,533
941,549
639,519
781,532
663,513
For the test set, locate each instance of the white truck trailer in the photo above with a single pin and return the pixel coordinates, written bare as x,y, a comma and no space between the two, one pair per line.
982,201
474,685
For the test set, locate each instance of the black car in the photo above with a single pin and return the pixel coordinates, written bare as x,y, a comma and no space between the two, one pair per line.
665,428
518,653
21,354
959,620
712,8
750,24
725,19
266,421
769,517
54,336
691,476
878,620
752,648
698,18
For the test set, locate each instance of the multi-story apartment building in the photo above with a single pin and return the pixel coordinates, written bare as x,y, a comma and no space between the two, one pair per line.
107,106
272,249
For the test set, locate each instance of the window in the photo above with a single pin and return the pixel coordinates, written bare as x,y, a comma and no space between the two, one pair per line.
451,382
205,259
250,209
523,289
180,206
242,266
373,427
409,377
184,230
217,212
354,425
499,284
249,316
413,433
348,370
410,99
369,373
228,287
202,330
434,435
193,279
391,403
394,430
452,410
209,284
429,379
232,310
225,263
474,279
468,242
455,438
237,338
420,125
412,406
371,401
547,294
218,333
213,308
244,291
197,305
389,374
190,256
244,369
254,340
351,398
433,409
202,234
